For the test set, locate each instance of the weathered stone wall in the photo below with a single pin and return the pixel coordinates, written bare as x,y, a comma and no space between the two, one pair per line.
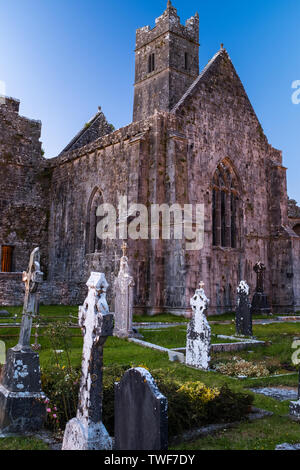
24,184
294,216
112,165
94,129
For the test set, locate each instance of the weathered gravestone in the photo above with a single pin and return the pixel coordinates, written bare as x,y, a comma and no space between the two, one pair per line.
4,314
124,285
22,405
260,304
243,318
86,431
295,405
198,343
141,413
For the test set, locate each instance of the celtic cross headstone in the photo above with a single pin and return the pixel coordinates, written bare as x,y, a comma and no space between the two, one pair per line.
86,431
22,405
260,304
243,318
198,342
124,285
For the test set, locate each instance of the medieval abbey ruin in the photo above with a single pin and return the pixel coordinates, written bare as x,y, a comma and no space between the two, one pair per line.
194,139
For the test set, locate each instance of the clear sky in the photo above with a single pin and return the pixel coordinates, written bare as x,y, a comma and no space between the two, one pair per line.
63,58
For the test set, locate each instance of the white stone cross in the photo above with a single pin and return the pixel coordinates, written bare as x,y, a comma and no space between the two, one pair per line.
124,285
86,431
198,332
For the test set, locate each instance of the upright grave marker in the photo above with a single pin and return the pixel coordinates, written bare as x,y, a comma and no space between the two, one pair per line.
243,318
295,405
22,405
198,342
141,413
260,304
86,431
124,285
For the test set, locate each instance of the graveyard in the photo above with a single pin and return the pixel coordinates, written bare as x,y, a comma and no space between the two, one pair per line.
236,432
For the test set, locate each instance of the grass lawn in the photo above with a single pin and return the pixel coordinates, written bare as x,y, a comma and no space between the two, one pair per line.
22,443
262,434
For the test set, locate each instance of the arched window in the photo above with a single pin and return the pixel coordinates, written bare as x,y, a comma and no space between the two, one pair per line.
225,205
93,244
297,229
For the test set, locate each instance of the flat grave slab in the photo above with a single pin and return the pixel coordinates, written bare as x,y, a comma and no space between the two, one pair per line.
278,393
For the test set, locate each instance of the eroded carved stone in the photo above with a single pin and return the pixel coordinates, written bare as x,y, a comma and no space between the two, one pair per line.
124,285
86,431
260,304
22,405
243,318
198,342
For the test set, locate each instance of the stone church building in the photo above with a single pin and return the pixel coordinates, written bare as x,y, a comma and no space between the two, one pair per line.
194,139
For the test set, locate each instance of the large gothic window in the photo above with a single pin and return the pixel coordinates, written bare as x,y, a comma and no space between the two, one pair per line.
92,243
225,206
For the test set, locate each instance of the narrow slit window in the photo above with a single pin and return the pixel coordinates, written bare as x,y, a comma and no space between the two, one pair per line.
186,61
93,243
151,63
214,218
6,259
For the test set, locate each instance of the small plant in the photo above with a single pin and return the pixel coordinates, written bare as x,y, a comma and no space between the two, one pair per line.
60,340
241,368
61,386
198,391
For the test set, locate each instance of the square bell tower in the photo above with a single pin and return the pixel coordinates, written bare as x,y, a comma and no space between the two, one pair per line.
166,63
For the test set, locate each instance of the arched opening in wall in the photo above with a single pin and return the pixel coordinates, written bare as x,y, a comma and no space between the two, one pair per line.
93,244
297,229
6,258
225,207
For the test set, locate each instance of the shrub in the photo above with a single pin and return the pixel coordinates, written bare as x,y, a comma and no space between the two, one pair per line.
61,387
190,404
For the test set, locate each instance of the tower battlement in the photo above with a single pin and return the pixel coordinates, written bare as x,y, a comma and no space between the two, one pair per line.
169,21
9,103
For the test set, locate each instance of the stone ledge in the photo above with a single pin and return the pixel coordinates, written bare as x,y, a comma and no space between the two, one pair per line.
17,276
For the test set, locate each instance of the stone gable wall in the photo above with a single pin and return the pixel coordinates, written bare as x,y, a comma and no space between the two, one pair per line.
220,123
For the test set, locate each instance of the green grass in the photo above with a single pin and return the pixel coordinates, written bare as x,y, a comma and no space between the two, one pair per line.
173,337
163,318
264,434
22,443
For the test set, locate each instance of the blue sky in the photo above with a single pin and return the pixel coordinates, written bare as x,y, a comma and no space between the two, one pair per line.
63,58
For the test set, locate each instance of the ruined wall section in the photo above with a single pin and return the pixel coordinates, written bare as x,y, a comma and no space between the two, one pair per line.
294,216
24,184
